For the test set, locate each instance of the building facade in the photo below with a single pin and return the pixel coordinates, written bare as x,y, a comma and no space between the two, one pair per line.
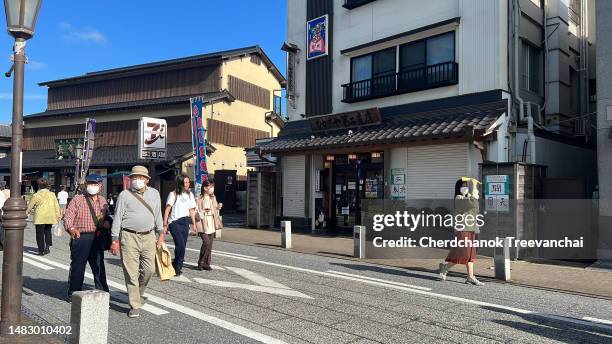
398,98
238,88
604,127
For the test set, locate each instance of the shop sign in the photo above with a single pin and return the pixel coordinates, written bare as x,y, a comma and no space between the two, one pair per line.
317,37
345,120
317,180
371,188
398,183
66,148
345,210
497,193
352,185
152,138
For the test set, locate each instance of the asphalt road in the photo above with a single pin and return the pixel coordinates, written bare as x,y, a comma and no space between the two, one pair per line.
258,294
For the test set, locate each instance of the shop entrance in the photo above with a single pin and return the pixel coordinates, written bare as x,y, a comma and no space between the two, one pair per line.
355,178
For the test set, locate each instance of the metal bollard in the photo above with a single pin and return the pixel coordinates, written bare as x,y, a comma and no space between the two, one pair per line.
89,317
286,234
502,261
359,238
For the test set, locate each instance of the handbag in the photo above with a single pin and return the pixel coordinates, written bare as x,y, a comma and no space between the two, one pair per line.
103,235
163,263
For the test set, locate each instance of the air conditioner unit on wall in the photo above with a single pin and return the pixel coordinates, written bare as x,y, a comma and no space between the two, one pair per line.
533,110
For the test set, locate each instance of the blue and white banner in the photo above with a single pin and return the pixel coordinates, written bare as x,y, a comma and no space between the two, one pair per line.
198,139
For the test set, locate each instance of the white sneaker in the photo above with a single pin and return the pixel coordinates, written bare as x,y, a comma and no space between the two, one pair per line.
473,281
443,270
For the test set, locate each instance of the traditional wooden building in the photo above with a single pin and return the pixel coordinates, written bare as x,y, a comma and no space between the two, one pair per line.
238,87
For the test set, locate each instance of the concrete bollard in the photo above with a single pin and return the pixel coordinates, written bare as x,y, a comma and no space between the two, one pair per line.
286,234
89,317
502,261
218,231
359,239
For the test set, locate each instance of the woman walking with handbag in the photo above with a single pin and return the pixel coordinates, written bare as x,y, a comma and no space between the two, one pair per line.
180,212
46,214
208,213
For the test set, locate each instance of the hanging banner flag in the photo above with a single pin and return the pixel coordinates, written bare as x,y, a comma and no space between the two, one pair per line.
199,142
317,37
88,147
152,138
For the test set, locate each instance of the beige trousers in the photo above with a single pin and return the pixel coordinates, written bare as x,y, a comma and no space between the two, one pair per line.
138,261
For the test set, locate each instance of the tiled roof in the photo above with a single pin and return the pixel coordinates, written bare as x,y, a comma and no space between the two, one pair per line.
455,122
102,157
134,104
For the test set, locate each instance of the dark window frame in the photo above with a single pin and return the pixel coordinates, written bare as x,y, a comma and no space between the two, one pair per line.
372,61
424,40
351,4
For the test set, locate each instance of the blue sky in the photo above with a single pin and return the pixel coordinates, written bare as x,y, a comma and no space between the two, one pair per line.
75,37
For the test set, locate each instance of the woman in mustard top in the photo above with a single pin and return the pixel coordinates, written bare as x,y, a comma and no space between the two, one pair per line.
46,214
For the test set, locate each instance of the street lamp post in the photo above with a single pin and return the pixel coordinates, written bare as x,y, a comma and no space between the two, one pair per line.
21,18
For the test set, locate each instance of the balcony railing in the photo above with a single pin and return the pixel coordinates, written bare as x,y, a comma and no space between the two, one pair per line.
409,80
350,4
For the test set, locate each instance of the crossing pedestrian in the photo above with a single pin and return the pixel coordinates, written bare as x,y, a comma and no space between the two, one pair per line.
208,210
138,216
81,221
46,214
179,214
62,198
466,202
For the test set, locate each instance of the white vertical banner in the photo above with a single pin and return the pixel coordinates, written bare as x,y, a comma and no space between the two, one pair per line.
152,138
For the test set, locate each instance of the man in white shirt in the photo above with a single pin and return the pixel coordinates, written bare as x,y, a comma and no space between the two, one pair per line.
62,199
179,214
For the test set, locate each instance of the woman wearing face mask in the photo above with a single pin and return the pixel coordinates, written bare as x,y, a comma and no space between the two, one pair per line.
208,210
466,203
179,214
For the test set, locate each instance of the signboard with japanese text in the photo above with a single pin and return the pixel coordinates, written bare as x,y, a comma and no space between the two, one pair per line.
497,193
345,120
88,146
398,183
152,138
66,148
317,37
198,139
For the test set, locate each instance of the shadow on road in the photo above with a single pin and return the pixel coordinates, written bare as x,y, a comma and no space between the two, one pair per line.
360,267
49,287
563,331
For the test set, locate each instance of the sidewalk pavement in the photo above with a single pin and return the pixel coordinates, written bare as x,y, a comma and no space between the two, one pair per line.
574,279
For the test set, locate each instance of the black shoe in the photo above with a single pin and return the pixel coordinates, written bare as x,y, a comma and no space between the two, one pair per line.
178,273
68,298
47,251
207,268
200,268
41,253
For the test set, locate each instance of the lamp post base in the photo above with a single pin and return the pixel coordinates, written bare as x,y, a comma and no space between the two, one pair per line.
14,222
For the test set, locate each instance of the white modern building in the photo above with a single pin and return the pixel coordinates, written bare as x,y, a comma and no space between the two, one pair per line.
399,98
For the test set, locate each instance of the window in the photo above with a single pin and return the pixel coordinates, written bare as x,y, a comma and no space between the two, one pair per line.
531,69
374,73
423,64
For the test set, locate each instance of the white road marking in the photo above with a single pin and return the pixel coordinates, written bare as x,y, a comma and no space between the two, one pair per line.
252,287
441,296
264,285
188,311
221,253
37,264
380,280
180,278
257,278
121,297
601,321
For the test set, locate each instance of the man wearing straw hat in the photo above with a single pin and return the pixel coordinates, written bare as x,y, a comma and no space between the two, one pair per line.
137,217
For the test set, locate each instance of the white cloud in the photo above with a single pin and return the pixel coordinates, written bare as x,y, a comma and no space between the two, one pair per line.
85,34
9,96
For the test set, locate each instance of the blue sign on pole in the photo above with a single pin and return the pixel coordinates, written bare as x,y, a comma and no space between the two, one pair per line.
199,141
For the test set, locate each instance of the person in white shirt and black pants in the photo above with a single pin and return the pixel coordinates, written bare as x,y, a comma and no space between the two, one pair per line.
179,214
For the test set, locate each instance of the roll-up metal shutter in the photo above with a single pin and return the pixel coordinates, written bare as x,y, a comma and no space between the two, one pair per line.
433,170
294,177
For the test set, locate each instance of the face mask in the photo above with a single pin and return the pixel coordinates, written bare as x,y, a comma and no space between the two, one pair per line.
93,189
464,190
139,184
211,191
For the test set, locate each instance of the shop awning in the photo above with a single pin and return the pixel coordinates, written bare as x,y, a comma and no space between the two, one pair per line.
460,122
102,157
